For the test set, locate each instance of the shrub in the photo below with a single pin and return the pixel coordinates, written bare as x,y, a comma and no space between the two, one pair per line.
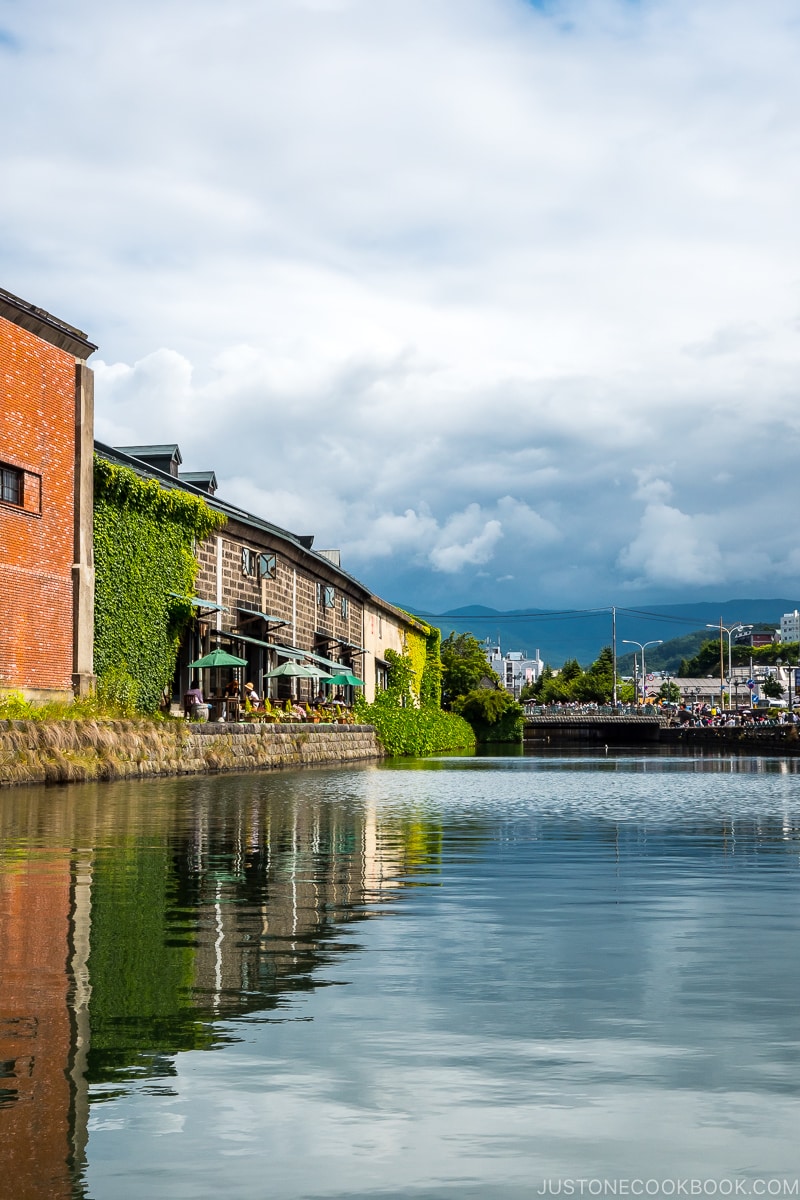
414,731
118,690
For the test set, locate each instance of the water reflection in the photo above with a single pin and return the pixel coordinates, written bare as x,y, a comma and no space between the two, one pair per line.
146,913
566,929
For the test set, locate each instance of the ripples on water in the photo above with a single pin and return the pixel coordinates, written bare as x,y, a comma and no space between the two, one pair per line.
452,978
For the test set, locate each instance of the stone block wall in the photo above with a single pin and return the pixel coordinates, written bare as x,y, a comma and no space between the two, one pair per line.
77,751
291,595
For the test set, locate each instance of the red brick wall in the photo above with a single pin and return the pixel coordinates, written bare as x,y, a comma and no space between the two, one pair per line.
37,435
35,1027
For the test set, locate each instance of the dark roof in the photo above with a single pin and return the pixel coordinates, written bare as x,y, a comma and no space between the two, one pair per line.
45,326
169,450
199,477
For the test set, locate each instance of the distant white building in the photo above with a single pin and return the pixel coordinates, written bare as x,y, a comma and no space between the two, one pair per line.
514,667
790,627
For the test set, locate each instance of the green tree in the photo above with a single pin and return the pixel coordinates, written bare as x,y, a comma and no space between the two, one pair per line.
570,671
670,692
494,715
535,691
597,684
464,666
771,688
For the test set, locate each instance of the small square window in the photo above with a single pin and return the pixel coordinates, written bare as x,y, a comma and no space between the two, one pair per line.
11,488
326,595
267,566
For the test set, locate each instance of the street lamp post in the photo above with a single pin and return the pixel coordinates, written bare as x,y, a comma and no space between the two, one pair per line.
791,702
642,647
722,629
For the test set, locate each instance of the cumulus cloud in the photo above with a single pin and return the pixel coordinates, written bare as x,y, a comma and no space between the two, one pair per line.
435,281
671,548
458,545
467,538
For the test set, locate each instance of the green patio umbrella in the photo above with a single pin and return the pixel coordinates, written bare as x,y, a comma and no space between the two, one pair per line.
218,658
318,673
345,680
292,670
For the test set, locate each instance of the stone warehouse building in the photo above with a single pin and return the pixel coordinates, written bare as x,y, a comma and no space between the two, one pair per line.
46,566
266,595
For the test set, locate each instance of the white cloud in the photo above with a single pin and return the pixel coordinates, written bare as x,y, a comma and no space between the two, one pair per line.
430,280
456,548
672,548
650,487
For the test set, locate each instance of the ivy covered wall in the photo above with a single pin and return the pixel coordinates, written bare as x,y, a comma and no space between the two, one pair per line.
415,649
144,538
430,691
423,649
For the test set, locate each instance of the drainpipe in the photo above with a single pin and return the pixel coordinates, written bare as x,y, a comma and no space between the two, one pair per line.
294,623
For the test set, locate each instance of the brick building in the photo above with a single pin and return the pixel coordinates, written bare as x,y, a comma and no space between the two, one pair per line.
264,594
46,438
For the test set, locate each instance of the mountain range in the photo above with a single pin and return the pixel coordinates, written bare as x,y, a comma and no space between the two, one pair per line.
582,633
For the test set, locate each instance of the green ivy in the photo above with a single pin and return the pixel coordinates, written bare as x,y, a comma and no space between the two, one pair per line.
424,650
416,653
405,728
430,691
144,548
401,676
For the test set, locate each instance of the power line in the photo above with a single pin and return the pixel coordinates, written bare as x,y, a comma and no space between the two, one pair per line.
559,615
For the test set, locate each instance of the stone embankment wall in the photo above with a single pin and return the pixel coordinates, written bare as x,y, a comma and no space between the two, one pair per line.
768,739
76,751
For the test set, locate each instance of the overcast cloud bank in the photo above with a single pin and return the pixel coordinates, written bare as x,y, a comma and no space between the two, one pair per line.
500,299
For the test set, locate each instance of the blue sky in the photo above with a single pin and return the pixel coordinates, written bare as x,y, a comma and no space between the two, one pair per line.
501,300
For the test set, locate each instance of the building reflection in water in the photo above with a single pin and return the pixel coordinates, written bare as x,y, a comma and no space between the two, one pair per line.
45,919
138,921
133,918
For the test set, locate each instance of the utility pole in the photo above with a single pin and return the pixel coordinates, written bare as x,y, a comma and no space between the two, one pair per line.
614,653
721,669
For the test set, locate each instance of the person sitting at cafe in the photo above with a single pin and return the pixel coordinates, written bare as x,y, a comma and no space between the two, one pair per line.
192,698
251,695
232,690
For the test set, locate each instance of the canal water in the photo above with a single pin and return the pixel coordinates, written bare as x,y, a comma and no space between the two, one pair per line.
494,977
